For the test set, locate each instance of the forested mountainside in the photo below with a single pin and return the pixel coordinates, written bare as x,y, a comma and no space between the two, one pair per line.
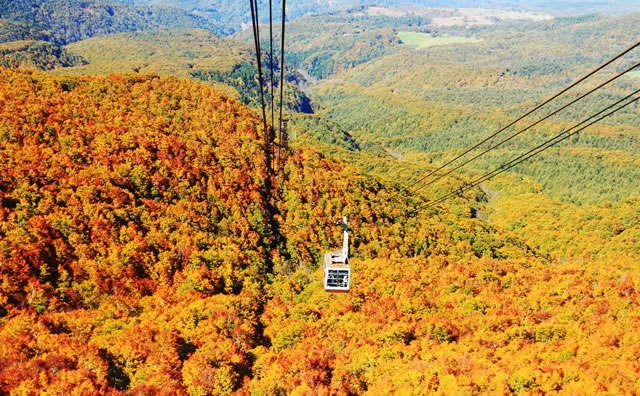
67,21
17,31
223,63
74,20
178,52
233,14
27,46
437,100
111,189
36,55
344,41
146,248
351,37
360,35
228,12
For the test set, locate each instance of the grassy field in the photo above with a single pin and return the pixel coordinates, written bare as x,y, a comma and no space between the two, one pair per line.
634,74
424,40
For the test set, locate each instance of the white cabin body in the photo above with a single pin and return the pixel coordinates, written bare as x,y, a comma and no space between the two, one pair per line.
337,272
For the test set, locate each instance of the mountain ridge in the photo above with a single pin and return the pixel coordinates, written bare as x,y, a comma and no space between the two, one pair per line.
75,20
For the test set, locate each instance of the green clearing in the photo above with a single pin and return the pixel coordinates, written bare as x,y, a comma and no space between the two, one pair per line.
423,40
634,74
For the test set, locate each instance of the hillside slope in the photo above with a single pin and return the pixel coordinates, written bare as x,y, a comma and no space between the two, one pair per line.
116,192
226,64
439,100
74,20
36,55
145,248
227,11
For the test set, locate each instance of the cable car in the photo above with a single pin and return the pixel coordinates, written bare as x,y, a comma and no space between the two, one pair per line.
337,273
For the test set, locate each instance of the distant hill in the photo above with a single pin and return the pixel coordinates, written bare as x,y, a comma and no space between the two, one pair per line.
17,31
581,7
233,14
328,44
324,45
225,63
179,52
441,99
36,55
74,20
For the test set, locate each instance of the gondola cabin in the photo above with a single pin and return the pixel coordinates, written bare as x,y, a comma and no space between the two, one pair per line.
337,273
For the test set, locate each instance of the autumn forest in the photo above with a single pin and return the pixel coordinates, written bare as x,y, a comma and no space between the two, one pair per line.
151,242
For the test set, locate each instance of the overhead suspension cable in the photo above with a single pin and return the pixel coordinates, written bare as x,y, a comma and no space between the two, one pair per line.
271,56
528,127
525,115
284,5
538,149
256,38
